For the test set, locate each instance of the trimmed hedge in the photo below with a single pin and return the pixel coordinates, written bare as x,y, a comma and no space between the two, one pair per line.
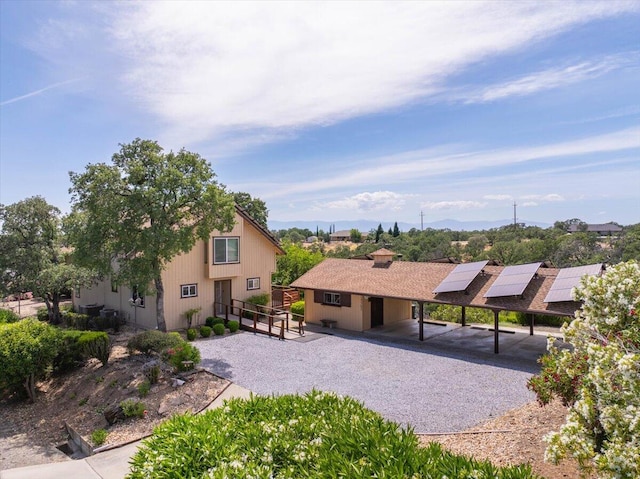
153,341
218,329
191,334
205,331
317,435
96,344
298,308
212,321
233,326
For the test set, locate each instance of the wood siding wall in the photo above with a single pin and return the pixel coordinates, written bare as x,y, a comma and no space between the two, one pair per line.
257,260
347,317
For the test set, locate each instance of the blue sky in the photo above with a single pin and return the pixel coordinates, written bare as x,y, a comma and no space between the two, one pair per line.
336,111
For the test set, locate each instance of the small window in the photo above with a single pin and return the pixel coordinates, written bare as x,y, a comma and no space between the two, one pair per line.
226,250
114,287
332,298
188,290
253,283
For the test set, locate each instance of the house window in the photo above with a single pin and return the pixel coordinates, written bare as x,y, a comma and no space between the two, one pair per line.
332,299
137,297
114,287
188,290
226,250
253,283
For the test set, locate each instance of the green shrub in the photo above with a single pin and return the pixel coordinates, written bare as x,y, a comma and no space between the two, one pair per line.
70,354
42,314
191,334
76,320
205,331
258,300
317,435
152,372
133,408
99,436
27,350
298,308
178,355
209,321
8,316
233,326
153,341
218,329
143,388
541,319
96,344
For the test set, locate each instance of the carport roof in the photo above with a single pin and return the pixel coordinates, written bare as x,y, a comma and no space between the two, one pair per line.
417,281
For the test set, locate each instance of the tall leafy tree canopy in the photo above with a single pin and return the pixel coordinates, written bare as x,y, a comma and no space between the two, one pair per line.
255,207
131,217
31,256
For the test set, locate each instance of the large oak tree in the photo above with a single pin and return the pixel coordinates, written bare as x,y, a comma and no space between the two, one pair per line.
131,217
31,253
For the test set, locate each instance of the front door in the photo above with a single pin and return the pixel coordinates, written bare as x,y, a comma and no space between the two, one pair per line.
222,295
377,309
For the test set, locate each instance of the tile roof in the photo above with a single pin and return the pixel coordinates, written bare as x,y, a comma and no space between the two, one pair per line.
416,281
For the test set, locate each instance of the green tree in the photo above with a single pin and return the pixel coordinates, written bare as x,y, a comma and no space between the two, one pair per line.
295,263
31,257
356,236
255,207
379,232
396,230
27,350
135,215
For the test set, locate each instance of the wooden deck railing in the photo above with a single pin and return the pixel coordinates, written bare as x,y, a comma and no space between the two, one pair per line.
256,313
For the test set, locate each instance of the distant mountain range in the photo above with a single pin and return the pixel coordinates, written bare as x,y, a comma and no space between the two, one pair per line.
367,225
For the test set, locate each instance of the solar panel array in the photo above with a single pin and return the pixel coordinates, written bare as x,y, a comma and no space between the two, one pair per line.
461,277
567,279
513,280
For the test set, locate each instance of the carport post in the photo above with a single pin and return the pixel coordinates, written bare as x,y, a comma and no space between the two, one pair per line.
495,330
463,317
531,324
421,320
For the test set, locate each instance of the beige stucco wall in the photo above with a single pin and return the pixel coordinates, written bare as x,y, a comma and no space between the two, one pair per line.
347,317
358,316
257,260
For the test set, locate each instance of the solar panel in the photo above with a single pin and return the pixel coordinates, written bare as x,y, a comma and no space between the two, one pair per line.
461,277
567,279
513,280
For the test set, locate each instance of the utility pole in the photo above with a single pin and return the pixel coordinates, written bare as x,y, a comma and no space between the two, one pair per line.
421,221
515,224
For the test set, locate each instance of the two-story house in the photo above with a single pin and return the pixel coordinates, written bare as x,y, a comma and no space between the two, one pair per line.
233,265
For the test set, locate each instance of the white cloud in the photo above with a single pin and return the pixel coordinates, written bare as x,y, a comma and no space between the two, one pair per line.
529,203
551,197
379,200
497,197
551,78
205,69
453,205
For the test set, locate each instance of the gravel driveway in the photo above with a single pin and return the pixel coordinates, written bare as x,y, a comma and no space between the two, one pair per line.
432,390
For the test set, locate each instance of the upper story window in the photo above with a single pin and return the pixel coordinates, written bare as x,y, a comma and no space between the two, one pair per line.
188,290
332,298
226,250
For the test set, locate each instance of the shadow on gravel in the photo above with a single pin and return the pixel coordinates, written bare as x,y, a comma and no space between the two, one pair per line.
218,366
510,357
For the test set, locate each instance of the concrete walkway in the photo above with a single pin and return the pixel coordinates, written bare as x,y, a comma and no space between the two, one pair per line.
112,464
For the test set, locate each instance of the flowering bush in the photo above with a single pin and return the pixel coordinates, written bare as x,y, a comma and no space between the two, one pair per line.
600,377
182,357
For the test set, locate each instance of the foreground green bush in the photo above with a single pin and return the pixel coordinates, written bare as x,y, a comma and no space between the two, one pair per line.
205,331
317,435
27,350
211,321
153,341
218,329
233,326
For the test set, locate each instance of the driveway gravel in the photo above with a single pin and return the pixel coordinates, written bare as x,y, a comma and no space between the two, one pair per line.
431,389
